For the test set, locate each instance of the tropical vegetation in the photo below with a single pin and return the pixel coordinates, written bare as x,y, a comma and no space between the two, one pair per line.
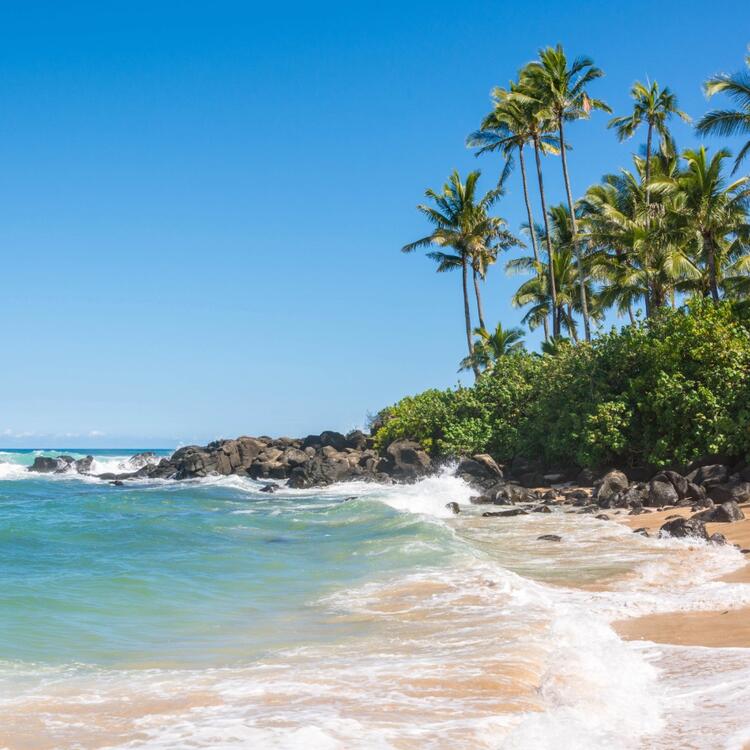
664,245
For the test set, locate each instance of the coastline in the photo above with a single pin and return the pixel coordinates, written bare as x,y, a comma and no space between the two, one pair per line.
726,628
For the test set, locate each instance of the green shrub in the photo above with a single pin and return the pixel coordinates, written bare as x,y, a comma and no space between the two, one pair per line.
661,392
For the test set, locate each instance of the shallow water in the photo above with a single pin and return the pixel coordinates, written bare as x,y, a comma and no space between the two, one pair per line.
207,614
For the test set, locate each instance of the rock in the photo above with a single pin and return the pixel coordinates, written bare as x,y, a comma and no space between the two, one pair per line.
453,508
408,460
44,465
684,527
709,475
531,479
603,517
614,483
677,481
484,500
506,513
333,439
586,478
636,510
117,483
549,538
661,492
489,464
139,460
738,492
728,512
269,488
357,440
717,538
541,509
83,465
643,531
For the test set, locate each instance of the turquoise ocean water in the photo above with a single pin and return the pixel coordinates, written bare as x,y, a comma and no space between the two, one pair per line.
209,614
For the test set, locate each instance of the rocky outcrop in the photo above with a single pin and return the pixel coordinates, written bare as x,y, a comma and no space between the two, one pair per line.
728,512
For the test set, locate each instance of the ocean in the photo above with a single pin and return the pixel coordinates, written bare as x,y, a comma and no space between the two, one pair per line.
208,614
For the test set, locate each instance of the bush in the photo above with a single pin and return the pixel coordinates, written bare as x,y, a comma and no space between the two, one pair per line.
661,392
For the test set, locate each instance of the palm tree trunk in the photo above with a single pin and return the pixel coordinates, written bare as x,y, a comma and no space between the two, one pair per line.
480,311
550,252
573,332
711,262
630,314
467,313
574,227
532,231
648,212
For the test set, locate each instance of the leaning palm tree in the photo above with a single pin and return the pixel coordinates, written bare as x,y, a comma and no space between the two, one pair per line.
730,122
489,348
653,107
509,128
560,91
716,216
462,223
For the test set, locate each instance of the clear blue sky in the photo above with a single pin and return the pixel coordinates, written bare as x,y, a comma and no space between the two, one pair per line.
203,203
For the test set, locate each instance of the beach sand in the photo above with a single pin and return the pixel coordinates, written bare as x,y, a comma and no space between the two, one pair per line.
726,628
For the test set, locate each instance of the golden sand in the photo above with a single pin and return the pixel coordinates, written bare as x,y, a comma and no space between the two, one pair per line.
726,628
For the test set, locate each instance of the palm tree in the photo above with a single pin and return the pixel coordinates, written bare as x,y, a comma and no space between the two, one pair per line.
640,250
716,215
489,348
561,92
729,122
511,126
535,292
654,107
484,255
461,223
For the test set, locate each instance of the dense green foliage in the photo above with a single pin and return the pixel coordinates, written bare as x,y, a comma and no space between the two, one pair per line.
660,392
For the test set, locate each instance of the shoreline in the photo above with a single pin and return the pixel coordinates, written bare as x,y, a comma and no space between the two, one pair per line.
726,628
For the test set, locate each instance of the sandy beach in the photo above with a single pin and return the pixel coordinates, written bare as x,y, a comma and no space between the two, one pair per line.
720,629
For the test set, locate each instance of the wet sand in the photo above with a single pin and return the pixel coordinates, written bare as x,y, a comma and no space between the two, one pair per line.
720,629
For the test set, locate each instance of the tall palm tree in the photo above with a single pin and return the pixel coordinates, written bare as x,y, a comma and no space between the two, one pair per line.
462,223
489,348
509,128
561,91
535,292
716,214
484,255
654,107
729,122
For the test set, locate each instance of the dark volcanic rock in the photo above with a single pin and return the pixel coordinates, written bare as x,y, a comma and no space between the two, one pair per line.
614,483
44,465
717,538
685,527
661,492
738,492
83,465
709,475
549,538
505,513
453,508
408,459
728,512
271,488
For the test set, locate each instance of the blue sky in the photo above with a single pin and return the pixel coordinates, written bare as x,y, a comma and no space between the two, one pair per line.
203,204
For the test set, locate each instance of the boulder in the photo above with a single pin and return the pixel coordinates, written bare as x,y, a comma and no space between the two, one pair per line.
83,465
139,460
661,492
614,483
453,508
684,527
531,479
44,465
709,475
407,460
728,512
737,492
357,440
717,538
490,465
333,439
